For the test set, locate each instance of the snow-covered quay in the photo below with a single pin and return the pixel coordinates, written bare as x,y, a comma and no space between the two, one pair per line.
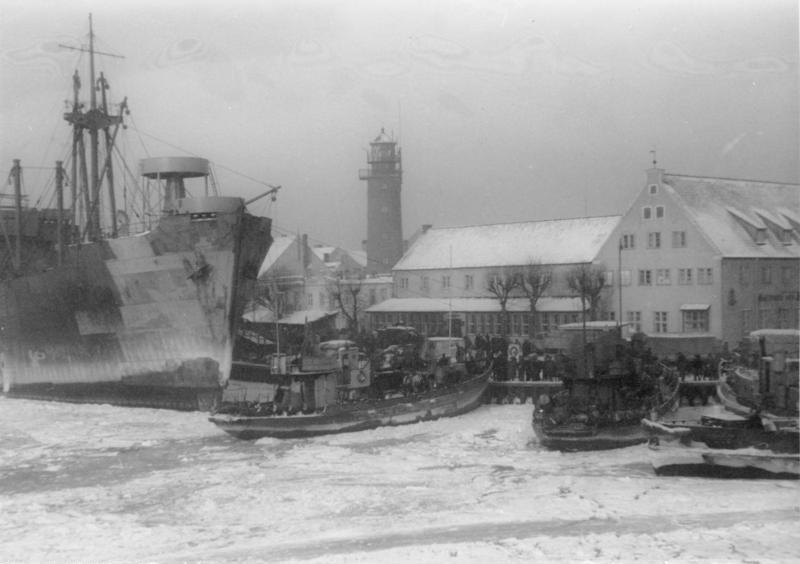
84,483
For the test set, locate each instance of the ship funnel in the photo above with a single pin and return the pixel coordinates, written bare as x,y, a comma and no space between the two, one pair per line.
173,171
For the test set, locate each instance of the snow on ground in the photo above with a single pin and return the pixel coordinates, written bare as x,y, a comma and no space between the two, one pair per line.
98,483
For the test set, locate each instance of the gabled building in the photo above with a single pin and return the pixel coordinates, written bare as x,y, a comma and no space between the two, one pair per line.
344,263
441,284
296,273
321,285
697,263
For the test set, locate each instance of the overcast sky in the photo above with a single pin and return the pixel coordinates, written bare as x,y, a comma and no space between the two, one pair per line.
505,110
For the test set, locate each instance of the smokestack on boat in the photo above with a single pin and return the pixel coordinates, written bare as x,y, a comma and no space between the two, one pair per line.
173,171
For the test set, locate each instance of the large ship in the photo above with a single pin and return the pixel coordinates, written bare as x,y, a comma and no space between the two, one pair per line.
137,314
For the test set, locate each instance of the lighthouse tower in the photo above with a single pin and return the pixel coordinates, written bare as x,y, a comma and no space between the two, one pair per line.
384,176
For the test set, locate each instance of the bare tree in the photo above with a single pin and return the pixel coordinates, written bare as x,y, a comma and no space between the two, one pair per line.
346,293
501,287
587,282
534,282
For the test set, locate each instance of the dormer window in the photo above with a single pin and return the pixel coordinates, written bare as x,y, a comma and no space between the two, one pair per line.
754,226
653,188
647,212
786,236
659,211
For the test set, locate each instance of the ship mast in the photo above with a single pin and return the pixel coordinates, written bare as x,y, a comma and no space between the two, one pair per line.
95,119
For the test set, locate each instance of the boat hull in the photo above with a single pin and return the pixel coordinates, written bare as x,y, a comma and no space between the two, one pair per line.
678,460
578,438
144,320
730,436
359,416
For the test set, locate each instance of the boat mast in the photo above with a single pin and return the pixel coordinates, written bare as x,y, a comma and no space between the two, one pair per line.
94,119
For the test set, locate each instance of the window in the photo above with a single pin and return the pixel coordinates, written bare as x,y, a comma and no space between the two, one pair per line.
469,282
471,323
695,321
685,276
384,294
309,301
660,322
654,240
425,283
705,276
404,283
545,321
786,275
647,212
747,321
653,188
627,241
678,239
659,211
635,319
766,275
625,278
516,323
609,277
645,278
663,277
744,274
373,297
445,281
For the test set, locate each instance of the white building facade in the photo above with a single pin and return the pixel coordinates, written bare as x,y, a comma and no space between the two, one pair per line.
700,262
441,283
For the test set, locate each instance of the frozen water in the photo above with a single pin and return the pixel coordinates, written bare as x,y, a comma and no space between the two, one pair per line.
100,483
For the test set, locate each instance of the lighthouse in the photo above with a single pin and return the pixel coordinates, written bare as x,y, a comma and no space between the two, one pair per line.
384,176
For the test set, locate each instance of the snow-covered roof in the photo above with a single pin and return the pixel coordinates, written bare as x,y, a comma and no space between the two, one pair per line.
305,316
322,250
383,137
556,241
473,305
725,209
359,256
278,247
261,314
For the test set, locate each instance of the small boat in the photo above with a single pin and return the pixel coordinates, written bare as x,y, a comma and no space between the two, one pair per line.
765,380
603,409
696,459
733,433
347,396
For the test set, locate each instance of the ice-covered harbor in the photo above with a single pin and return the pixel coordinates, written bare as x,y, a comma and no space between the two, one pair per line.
93,483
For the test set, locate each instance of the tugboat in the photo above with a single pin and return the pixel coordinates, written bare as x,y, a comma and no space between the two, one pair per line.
765,378
120,312
610,385
343,391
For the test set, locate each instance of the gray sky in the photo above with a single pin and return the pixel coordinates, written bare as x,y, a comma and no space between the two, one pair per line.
505,110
